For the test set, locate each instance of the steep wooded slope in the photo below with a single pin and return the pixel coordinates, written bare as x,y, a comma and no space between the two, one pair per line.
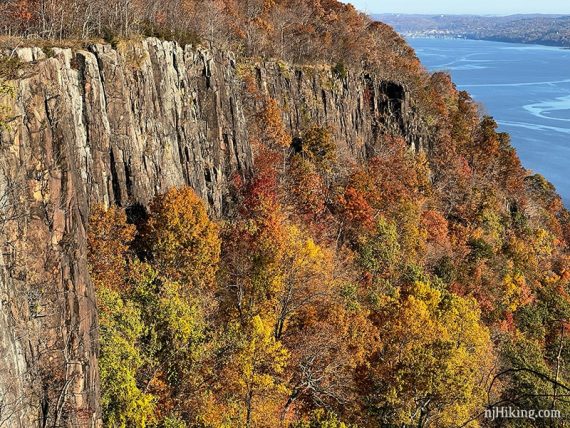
117,127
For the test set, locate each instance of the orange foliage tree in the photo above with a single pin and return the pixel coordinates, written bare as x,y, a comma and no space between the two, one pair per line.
183,241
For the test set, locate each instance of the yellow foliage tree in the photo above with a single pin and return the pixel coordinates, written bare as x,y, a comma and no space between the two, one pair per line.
516,292
433,358
250,389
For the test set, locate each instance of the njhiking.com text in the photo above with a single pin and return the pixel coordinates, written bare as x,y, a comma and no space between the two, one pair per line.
495,413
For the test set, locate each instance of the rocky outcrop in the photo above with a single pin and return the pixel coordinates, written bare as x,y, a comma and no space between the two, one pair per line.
359,110
117,126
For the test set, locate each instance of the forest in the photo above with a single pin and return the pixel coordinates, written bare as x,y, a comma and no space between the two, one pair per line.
298,31
415,287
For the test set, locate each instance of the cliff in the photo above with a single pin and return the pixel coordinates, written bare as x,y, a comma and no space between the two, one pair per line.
117,126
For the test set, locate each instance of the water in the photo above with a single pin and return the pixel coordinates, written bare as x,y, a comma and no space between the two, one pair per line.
526,88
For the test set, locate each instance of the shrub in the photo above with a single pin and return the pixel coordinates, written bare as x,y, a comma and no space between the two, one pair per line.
318,147
340,70
9,66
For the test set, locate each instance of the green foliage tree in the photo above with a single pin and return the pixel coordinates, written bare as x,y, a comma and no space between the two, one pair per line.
124,402
121,356
380,255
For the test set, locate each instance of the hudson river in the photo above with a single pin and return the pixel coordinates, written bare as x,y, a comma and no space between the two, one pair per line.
526,88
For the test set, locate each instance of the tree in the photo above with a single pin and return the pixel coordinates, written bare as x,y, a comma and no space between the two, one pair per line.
121,325
317,146
109,238
250,387
307,193
529,381
380,255
270,128
356,214
182,240
123,401
438,240
433,359
322,419
272,269
174,341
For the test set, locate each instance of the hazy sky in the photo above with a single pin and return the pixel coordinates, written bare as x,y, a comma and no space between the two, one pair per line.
502,7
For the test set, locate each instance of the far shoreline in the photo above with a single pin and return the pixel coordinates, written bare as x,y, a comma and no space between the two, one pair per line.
485,39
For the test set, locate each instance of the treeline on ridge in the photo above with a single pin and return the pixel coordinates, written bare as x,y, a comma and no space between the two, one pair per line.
297,31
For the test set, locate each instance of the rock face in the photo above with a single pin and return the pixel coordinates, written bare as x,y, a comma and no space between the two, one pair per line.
117,126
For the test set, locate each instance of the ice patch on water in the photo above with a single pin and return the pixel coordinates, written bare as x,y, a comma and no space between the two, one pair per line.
532,48
534,126
497,85
543,108
466,67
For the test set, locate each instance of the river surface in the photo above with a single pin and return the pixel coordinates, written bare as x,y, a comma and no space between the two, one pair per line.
526,88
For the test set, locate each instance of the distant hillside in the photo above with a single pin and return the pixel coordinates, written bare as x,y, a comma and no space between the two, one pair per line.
552,30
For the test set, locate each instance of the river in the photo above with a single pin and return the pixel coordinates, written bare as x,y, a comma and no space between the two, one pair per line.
526,88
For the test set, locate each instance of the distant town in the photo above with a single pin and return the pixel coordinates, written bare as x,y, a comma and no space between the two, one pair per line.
551,30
